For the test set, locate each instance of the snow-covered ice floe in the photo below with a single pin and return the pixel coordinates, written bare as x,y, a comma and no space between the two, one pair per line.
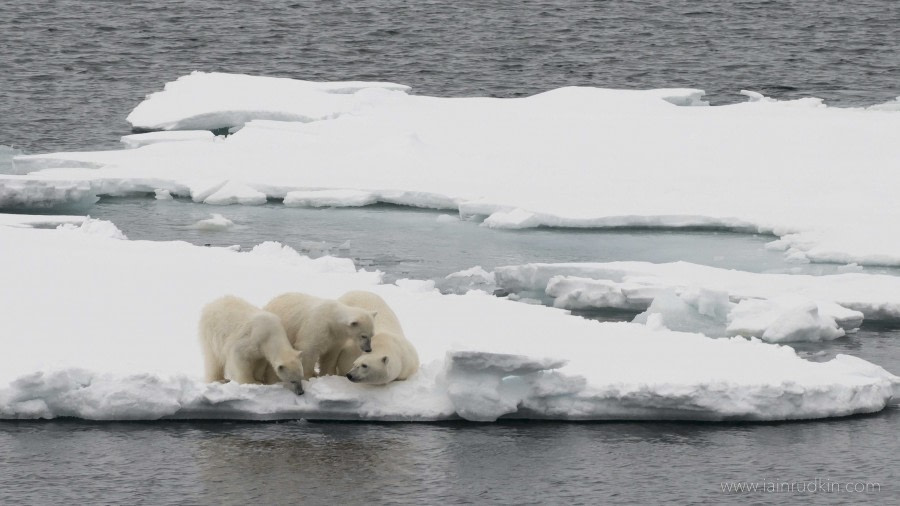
99,327
820,178
711,300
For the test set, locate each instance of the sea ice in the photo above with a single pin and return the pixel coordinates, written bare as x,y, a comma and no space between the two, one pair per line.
138,140
125,348
217,222
817,177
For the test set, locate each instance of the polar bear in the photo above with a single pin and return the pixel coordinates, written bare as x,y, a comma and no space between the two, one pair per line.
245,344
320,327
392,357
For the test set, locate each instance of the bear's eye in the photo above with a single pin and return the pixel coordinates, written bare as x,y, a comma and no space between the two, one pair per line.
364,366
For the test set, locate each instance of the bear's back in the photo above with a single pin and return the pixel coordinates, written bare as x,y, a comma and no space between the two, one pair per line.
385,321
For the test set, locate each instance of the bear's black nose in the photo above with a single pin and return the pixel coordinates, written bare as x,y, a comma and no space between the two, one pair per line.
349,377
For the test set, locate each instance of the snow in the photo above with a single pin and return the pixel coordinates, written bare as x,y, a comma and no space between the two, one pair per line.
121,345
475,278
210,101
780,320
329,198
232,192
138,140
215,223
819,178
162,194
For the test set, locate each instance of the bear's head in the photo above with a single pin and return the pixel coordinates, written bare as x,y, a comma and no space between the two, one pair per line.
290,371
371,368
359,326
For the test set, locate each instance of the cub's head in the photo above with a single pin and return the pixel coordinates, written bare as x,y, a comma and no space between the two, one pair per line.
290,371
370,368
360,325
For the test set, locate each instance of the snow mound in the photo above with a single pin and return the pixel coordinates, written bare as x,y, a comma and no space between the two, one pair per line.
211,101
91,226
787,318
475,278
217,222
127,350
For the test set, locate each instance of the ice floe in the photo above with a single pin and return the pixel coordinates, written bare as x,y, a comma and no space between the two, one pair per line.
713,301
819,178
103,328
214,100
138,140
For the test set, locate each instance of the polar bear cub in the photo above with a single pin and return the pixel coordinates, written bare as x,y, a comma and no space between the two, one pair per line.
320,327
392,357
245,344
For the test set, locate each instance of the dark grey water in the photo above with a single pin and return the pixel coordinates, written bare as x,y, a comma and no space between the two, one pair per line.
505,463
73,69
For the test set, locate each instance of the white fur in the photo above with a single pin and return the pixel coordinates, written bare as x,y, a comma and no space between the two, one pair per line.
320,327
245,344
392,357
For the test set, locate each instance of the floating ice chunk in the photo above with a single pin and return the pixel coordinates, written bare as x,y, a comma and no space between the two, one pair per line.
210,101
755,96
39,220
572,292
100,228
515,218
145,139
446,218
216,223
162,194
786,319
329,198
233,192
7,153
21,194
892,106
485,386
475,278
634,285
696,310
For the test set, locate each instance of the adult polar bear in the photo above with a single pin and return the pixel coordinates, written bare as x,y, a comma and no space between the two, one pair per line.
320,327
245,344
392,357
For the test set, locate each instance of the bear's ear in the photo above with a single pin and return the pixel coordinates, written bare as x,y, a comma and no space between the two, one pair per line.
384,360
